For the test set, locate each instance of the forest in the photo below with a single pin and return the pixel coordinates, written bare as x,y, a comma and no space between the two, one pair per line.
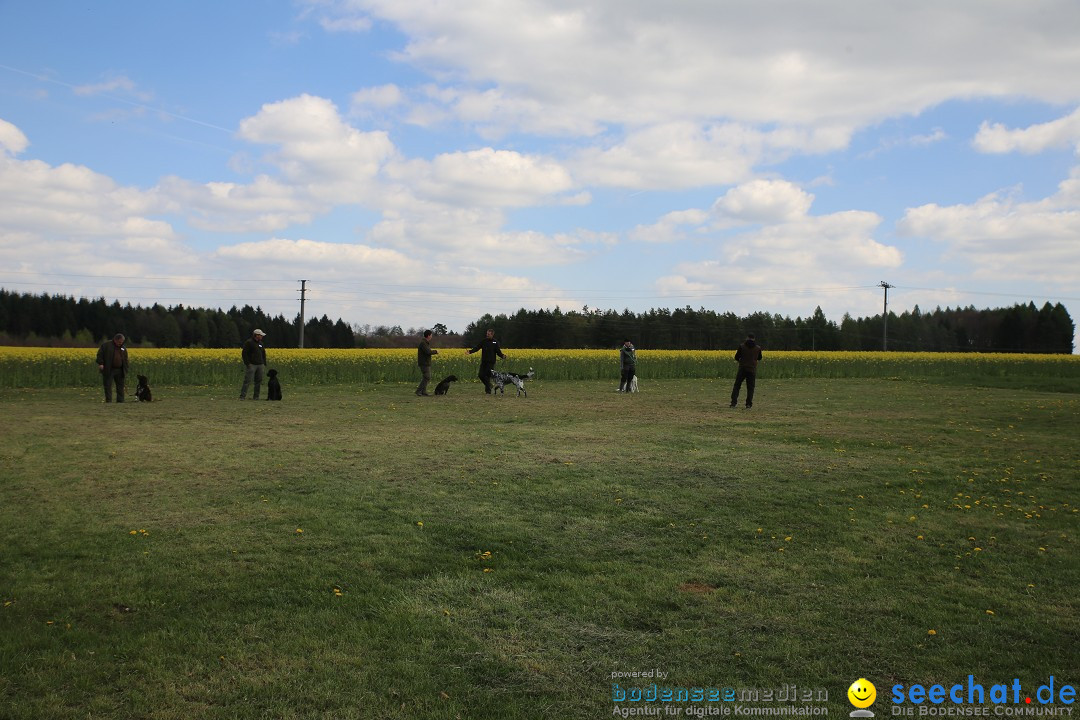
1021,328
27,319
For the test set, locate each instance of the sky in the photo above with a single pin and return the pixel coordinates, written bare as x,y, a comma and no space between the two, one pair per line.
429,161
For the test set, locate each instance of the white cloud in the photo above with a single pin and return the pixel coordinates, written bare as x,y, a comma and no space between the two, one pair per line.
1002,239
345,24
765,240
318,161
317,148
669,229
73,200
683,155
764,201
264,205
12,139
475,236
1061,133
832,62
485,178
119,84
69,218
376,98
342,259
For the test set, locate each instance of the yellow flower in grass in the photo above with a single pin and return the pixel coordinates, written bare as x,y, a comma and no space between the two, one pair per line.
931,632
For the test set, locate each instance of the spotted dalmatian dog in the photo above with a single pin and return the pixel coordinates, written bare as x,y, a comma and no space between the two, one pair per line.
500,379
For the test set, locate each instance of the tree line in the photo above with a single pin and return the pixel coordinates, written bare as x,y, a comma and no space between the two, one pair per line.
59,320
1021,328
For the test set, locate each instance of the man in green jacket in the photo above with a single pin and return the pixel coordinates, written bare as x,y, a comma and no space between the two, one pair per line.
423,359
112,362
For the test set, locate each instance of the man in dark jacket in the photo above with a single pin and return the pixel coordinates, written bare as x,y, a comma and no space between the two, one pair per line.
254,356
423,359
748,355
628,365
489,348
112,362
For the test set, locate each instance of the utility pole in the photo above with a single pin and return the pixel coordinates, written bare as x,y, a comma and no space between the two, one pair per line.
303,291
885,318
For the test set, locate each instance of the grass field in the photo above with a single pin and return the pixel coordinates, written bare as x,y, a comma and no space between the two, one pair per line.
359,552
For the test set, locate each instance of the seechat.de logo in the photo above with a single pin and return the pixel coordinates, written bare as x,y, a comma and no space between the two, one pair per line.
862,695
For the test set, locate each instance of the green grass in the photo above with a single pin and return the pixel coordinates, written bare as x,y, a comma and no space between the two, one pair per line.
728,548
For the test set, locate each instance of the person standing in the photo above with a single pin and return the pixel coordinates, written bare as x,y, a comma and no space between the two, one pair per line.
628,364
748,355
112,362
254,357
489,349
423,359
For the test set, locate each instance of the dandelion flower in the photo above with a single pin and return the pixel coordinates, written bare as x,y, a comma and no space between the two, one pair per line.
931,632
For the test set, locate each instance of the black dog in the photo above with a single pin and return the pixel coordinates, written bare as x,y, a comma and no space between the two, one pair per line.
444,385
273,386
142,390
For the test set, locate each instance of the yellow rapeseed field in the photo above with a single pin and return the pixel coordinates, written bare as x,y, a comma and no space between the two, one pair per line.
63,367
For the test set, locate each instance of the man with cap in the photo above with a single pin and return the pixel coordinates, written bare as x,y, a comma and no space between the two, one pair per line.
254,356
112,362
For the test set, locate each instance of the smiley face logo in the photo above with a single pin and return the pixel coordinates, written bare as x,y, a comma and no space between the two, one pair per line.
862,693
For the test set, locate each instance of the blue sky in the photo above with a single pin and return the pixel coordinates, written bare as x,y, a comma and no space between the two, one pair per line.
423,161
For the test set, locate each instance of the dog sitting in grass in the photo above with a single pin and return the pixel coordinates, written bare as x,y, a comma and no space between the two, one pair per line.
273,386
142,390
444,385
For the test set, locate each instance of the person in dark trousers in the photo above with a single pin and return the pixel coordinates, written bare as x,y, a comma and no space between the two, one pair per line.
423,359
628,363
254,357
748,356
489,349
112,362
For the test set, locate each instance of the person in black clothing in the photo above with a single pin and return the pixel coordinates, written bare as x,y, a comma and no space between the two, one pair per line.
254,357
423,359
112,362
489,348
748,356
628,364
